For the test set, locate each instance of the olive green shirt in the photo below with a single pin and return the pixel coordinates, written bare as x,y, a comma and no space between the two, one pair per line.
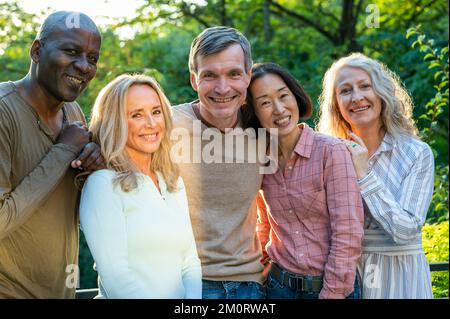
38,203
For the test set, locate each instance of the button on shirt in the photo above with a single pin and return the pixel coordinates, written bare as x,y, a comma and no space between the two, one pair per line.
314,225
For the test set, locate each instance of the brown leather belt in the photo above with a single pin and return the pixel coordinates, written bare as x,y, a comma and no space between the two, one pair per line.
304,283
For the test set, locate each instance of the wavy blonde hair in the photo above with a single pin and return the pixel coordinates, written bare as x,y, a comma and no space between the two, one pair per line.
396,104
109,129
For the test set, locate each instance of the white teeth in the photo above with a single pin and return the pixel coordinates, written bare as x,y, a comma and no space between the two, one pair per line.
282,121
149,136
360,109
219,100
71,78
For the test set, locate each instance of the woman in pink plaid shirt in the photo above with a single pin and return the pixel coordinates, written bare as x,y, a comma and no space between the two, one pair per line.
313,227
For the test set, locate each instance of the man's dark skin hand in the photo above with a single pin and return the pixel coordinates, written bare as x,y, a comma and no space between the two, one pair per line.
90,158
76,134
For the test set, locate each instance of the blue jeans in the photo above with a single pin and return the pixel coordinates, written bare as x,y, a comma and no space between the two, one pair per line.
275,290
232,290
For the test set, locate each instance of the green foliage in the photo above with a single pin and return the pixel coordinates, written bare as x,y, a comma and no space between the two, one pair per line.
88,276
435,244
303,36
432,130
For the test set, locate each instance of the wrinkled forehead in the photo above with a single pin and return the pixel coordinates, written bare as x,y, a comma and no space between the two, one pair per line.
230,58
347,74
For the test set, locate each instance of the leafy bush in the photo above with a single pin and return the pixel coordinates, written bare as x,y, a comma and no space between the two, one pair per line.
435,245
434,126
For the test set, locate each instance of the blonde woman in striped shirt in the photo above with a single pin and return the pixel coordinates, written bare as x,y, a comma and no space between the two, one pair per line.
365,103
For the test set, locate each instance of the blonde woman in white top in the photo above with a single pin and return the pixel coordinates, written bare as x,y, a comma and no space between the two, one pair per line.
364,102
134,214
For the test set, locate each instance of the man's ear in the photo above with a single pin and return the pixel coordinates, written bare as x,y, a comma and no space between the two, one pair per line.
249,76
35,51
193,79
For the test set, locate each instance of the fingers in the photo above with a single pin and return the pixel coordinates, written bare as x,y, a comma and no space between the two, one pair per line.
99,163
76,164
88,149
355,138
351,146
90,158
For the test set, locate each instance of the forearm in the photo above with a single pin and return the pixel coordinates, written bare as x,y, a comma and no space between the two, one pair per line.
340,269
192,272
18,204
402,221
262,226
346,214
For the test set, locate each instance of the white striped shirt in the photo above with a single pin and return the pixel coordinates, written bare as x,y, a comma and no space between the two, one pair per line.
397,193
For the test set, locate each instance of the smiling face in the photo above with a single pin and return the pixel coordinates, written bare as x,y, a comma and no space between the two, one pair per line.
357,100
66,61
146,125
275,105
221,83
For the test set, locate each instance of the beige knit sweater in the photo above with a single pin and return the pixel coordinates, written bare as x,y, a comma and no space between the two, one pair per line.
221,196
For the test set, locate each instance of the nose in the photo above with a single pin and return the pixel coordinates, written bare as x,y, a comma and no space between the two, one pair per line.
278,107
222,87
357,95
150,121
83,65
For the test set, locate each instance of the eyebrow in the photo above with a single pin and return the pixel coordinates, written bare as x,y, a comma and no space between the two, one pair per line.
141,109
265,95
75,45
358,81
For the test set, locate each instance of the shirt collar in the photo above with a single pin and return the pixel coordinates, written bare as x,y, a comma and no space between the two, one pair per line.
305,142
387,144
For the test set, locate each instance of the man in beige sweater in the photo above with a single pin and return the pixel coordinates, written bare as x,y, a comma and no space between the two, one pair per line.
221,187
41,134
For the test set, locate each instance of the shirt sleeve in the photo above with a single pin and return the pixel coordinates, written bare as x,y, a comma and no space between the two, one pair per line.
104,226
192,271
346,220
18,204
404,217
262,226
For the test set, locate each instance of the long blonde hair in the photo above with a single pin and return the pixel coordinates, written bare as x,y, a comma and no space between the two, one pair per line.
109,129
397,106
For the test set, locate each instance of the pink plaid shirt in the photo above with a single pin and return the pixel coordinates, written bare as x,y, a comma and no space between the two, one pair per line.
314,225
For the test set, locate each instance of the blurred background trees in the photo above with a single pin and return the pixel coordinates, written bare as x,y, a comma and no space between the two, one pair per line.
303,36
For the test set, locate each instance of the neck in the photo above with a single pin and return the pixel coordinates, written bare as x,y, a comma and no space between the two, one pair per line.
141,161
372,137
287,143
44,103
211,121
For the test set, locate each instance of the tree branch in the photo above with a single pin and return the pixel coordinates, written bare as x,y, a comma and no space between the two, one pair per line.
305,20
416,14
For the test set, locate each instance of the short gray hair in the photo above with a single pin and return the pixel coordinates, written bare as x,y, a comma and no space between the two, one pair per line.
216,39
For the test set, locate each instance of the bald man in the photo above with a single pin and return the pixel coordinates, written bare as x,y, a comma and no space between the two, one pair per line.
42,133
